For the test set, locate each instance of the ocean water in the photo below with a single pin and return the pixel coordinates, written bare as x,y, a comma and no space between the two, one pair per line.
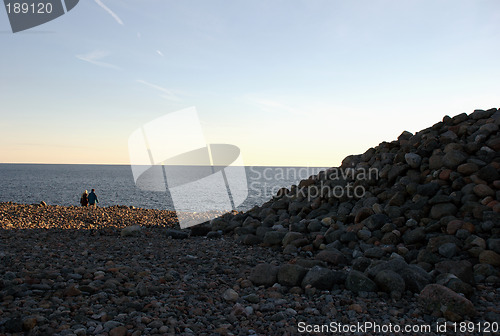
114,184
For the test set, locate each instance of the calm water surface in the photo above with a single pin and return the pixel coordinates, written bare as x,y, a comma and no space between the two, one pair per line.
114,184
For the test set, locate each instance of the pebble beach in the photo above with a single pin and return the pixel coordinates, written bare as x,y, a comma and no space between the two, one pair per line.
417,254
80,276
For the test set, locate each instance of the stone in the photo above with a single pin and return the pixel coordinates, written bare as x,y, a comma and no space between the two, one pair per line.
291,236
358,282
200,230
273,238
176,234
376,221
364,234
252,298
29,323
118,331
482,190
413,160
320,278
494,144
467,168
72,291
415,277
131,231
414,236
390,282
443,209
437,299
230,295
361,264
263,274
436,161
314,226
489,257
460,268
109,325
494,244
14,325
429,189
448,250
362,214
374,252
453,158
332,257
214,234
290,275
218,224
251,239
453,226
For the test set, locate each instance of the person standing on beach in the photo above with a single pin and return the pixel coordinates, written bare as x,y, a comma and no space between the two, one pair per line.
84,200
93,198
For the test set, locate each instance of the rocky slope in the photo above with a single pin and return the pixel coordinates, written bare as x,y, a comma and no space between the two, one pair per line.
417,215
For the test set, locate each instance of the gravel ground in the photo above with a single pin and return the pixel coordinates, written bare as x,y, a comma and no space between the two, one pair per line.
68,271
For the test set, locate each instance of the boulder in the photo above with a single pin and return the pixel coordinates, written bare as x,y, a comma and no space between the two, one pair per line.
131,231
390,282
263,274
438,299
291,275
359,282
320,278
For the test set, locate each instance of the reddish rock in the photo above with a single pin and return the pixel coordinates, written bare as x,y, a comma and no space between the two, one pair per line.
496,207
437,299
469,227
486,200
489,257
482,190
467,168
118,331
445,174
72,291
453,226
362,214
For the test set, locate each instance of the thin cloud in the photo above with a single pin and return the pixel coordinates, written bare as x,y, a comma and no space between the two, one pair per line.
272,106
159,53
167,94
93,57
110,12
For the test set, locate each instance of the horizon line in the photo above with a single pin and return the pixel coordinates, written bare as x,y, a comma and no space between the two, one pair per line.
124,164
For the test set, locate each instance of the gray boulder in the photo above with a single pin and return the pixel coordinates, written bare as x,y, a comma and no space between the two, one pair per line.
263,274
390,282
358,282
291,275
321,278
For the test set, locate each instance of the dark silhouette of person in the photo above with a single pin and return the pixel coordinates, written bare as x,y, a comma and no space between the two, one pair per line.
93,198
84,200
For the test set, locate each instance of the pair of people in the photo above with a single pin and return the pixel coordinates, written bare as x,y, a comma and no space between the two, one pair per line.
89,199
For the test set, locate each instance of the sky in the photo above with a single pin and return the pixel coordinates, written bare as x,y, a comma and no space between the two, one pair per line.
289,82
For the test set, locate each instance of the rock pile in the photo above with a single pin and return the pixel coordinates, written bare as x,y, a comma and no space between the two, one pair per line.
417,215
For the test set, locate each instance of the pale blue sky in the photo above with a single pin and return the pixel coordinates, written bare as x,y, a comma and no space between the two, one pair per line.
289,82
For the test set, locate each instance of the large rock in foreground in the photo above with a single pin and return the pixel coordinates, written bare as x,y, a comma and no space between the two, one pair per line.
438,299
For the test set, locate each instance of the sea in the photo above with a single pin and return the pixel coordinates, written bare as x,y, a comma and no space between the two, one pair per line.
63,184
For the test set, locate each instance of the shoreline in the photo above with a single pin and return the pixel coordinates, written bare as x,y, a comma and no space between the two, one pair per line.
98,282
37,216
